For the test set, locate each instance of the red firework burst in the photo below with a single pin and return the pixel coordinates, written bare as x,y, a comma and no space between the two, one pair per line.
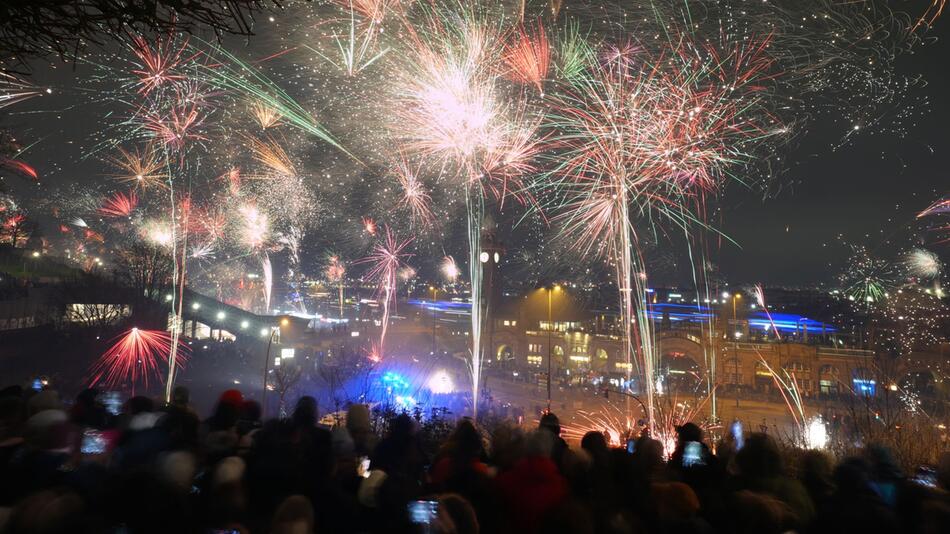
385,260
157,62
528,56
134,359
369,225
119,205
176,128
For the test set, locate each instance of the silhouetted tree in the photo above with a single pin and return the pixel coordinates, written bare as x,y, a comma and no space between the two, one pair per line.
37,28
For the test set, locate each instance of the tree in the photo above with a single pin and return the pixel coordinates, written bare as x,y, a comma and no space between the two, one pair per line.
32,28
286,377
16,229
146,268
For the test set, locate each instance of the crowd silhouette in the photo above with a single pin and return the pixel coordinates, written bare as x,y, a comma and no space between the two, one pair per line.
160,467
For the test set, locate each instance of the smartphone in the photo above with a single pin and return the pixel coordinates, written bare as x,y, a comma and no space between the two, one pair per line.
631,445
93,442
423,512
112,400
37,384
693,454
362,468
925,476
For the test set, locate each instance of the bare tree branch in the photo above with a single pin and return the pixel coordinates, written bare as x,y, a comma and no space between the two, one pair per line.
38,28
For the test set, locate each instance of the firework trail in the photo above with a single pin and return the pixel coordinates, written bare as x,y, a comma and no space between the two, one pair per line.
20,167
229,72
760,300
291,240
938,207
791,394
385,261
14,90
268,275
617,425
933,12
134,359
355,49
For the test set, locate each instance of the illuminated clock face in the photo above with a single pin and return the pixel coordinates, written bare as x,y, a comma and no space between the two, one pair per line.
497,257
484,257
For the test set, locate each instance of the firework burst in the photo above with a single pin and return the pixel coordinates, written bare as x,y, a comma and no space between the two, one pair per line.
266,116
923,264
157,62
119,205
273,156
414,194
385,261
14,90
254,227
335,272
528,56
867,279
140,168
175,128
647,143
135,358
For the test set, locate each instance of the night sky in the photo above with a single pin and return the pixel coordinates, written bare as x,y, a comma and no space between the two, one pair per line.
866,191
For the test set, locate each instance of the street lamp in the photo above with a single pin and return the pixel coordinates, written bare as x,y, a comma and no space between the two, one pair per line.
434,291
550,291
735,344
274,333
